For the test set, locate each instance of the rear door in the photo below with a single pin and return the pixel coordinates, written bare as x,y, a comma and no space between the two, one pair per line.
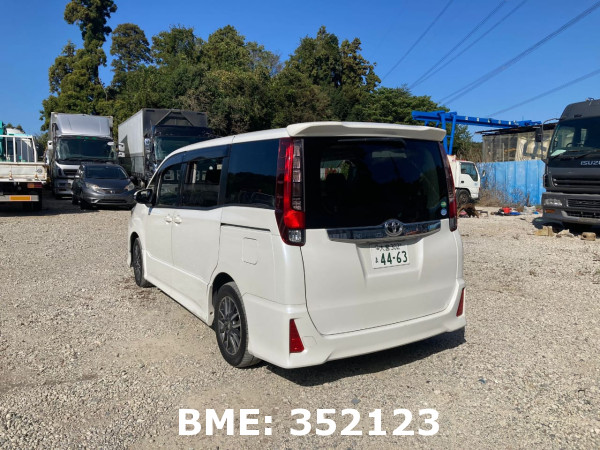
378,250
196,228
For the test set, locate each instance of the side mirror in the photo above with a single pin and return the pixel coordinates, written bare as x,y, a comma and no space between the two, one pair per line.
50,145
147,144
132,179
538,135
144,196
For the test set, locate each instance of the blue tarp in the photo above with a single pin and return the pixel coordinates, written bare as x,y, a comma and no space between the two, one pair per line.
516,180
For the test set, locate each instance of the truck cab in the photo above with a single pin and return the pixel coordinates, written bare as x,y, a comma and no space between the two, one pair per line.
76,138
466,180
572,177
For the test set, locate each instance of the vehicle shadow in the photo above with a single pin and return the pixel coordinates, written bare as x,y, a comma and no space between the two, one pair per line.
50,207
371,363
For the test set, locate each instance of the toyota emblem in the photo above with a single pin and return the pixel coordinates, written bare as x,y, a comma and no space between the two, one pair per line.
393,227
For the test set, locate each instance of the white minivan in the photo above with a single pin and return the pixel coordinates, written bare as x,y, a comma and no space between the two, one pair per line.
309,243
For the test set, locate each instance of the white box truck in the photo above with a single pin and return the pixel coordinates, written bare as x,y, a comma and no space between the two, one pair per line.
75,138
147,137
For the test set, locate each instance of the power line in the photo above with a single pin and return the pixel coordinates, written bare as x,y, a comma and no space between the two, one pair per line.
438,69
463,40
551,91
418,39
469,87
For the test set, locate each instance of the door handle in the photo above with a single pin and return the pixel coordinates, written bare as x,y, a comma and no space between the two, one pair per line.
177,220
168,219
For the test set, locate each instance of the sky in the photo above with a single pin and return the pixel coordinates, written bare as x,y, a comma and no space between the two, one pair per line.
388,30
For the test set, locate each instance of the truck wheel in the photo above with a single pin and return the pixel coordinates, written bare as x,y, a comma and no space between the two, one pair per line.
231,327
37,206
463,197
84,205
74,199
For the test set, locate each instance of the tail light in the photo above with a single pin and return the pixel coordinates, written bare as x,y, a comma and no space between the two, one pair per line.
34,185
452,213
296,345
461,304
289,195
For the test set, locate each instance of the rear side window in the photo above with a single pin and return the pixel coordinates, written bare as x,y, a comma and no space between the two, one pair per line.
352,182
168,191
251,174
201,183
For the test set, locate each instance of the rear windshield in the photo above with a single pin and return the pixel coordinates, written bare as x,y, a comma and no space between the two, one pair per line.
353,182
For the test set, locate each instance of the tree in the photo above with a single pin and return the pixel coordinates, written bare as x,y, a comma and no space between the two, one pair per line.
73,77
178,45
340,70
130,48
91,16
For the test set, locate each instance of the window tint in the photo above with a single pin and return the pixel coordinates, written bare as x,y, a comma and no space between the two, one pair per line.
168,191
201,183
353,182
251,174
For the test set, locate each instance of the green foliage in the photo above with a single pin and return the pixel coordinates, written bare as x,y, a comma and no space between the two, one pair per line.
241,85
130,48
91,16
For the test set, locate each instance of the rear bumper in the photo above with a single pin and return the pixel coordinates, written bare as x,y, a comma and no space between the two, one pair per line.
268,325
19,198
575,208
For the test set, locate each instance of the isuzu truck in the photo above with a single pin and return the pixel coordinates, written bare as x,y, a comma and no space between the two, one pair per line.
147,137
572,176
75,138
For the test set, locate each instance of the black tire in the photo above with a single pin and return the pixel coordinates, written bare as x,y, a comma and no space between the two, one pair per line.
74,199
84,205
231,327
137,262
463,197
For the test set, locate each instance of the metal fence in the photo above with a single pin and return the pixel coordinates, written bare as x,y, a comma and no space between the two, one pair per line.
518,181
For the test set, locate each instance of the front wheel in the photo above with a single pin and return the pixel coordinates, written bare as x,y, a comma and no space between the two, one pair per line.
463,197
137,261
231,327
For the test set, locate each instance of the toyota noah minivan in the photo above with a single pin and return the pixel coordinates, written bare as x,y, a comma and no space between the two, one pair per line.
309,243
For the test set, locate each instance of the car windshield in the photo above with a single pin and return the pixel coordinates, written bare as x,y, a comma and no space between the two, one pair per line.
575,137
165,145
84,149
354,182
105,173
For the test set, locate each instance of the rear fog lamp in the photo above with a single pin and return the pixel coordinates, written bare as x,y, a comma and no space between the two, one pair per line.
296,345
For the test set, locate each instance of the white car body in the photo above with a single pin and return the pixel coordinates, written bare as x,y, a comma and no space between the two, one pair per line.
328,286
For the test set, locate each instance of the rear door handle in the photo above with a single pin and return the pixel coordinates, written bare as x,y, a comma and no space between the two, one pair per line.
177,220
168,219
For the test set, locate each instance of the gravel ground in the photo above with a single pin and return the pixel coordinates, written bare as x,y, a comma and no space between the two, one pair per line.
87,359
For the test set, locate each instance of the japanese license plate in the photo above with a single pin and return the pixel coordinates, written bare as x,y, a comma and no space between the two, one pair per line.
389,255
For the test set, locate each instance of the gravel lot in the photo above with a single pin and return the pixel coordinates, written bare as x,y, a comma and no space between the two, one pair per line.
87,359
